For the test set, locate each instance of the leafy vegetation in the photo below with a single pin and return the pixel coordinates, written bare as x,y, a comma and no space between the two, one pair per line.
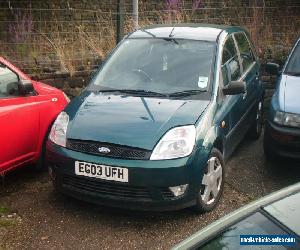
75,40
4,210
4,220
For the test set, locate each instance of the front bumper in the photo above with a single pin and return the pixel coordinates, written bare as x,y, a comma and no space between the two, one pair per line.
283,141
148,181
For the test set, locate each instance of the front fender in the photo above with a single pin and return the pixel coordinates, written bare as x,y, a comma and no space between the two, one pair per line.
208,132
212,138
203,151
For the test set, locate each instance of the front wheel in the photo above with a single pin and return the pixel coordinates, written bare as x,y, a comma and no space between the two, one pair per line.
212,183
40,166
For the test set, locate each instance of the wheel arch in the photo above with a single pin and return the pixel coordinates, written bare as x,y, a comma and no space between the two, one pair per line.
214,139
219,144
43,138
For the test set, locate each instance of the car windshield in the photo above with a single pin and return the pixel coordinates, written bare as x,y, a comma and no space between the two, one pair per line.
164,66
293,66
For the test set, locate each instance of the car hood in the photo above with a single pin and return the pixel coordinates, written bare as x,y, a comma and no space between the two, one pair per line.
291,94
128,120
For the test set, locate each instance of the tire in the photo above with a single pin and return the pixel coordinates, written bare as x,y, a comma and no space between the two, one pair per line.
55,182
41,166
257,125
207,200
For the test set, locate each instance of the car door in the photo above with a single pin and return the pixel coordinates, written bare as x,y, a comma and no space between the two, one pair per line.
230,110
250,75
19,121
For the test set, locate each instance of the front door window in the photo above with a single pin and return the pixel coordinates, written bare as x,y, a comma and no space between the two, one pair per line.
247,56
8,82
231,70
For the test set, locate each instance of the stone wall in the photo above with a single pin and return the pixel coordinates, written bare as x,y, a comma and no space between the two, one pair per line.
44,36
71,85
60,42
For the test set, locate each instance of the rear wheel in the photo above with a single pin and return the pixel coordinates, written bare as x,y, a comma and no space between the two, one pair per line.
212,183
256,127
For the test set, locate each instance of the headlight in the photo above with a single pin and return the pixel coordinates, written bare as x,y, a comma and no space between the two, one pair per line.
177,142
66,97
287,119
59,129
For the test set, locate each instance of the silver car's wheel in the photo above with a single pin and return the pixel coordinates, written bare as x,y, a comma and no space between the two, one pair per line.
212,181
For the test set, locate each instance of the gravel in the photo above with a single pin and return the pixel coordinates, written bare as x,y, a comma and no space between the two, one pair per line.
50,221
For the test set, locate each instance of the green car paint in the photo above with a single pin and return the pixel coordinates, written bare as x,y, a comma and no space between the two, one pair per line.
140,121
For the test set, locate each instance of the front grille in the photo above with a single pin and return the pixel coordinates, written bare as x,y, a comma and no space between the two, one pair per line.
114,190
116,151
166,194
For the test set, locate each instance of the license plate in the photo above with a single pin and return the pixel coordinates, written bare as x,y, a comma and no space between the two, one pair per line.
101,171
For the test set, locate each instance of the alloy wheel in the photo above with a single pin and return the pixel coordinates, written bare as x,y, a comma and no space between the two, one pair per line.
212,181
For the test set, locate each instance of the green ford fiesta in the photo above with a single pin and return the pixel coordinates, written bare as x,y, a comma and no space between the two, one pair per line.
159,119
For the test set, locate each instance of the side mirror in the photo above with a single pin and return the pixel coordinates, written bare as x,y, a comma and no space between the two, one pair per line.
235,88
25,87
272,68
12,89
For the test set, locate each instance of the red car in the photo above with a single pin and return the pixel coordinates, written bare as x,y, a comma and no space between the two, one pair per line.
27,111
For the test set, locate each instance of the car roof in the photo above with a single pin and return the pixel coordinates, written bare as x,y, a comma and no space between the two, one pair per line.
287,212
193,31
234,217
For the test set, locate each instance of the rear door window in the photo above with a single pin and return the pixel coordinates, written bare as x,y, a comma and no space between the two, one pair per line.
247,55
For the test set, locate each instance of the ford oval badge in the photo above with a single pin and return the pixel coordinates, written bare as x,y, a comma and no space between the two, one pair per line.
104,150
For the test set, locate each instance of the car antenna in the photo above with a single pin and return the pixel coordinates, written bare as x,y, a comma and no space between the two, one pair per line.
171,34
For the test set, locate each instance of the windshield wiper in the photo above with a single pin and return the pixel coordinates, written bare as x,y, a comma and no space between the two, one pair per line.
187,93
109,90
171,40
135,91
143,92
293,73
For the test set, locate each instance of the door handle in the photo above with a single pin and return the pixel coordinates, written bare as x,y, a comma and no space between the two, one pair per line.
257,76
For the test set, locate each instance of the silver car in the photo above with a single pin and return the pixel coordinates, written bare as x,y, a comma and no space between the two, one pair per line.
277,214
